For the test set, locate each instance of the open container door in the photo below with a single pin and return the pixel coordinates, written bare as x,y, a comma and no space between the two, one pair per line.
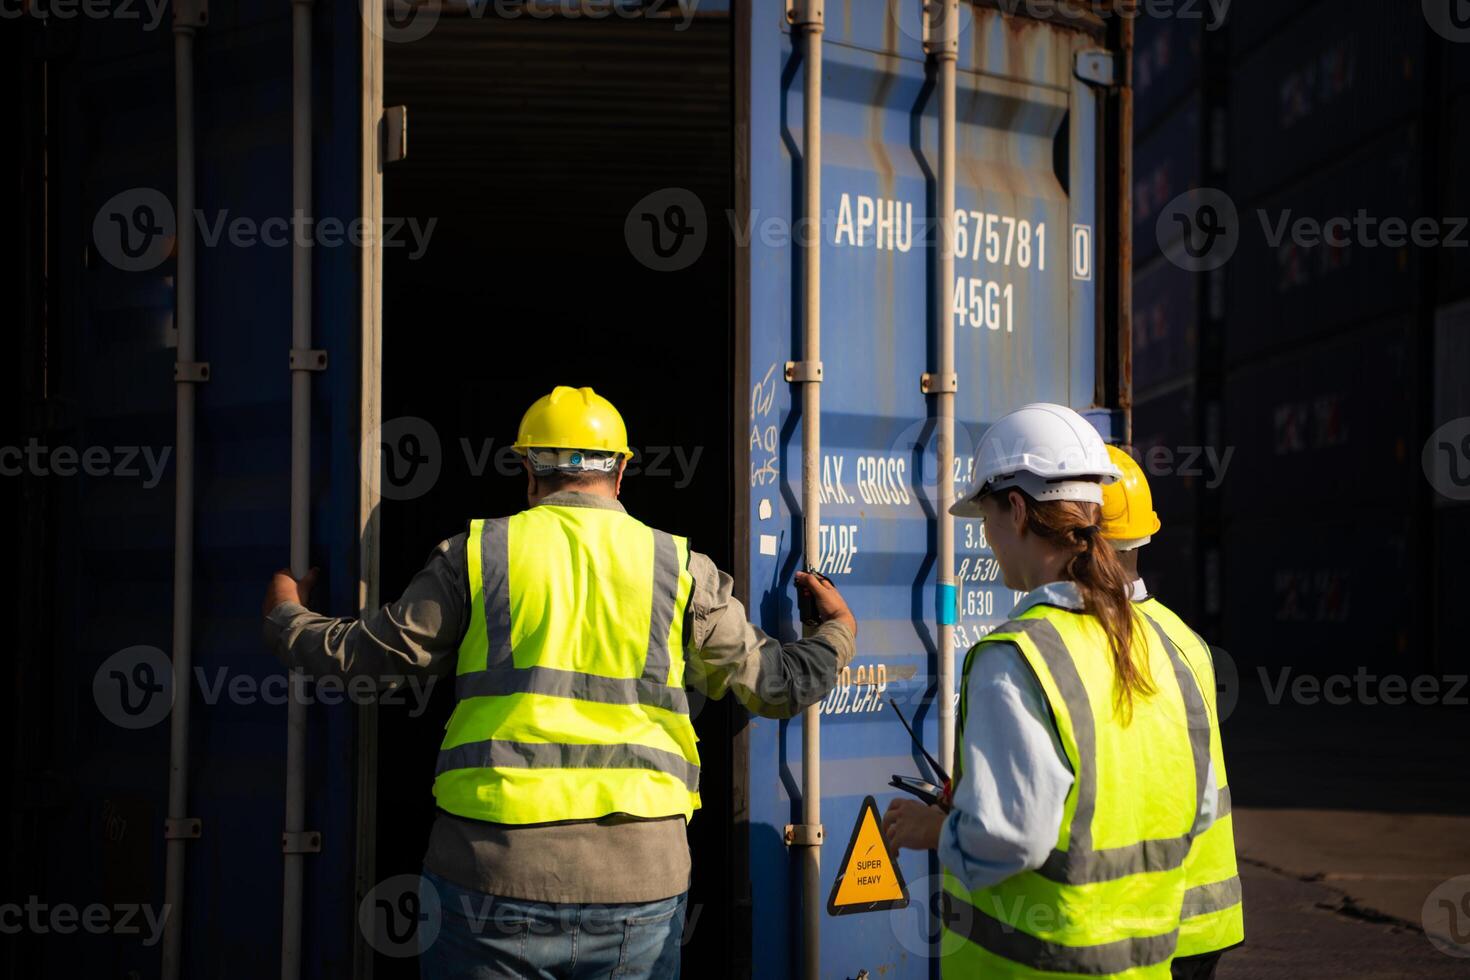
555,154
1025,303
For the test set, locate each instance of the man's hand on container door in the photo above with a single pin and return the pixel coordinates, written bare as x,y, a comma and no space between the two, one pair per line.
284,588
911,824
830,604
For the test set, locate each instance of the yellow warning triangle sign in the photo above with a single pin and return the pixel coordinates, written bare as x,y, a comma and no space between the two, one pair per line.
868,879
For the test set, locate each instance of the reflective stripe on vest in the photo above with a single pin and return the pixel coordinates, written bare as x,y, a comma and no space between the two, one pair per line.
1213,917
1094,910
570,683
1101,959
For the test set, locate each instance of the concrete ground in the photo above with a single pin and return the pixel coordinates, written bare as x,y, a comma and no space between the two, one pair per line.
1352,827
1321,919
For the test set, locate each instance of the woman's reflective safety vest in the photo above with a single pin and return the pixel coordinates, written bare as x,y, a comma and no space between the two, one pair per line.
1106,902
570,682
1213,917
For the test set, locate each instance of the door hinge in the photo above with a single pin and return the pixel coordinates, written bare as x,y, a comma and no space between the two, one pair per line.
1097,67
395,133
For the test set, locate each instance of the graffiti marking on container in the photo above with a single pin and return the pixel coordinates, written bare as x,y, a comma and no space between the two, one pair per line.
764,462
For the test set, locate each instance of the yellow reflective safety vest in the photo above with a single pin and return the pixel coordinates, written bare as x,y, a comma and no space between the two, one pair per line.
570,681
1213,917
1106,902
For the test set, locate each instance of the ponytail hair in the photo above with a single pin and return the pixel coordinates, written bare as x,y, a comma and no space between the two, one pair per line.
1106,589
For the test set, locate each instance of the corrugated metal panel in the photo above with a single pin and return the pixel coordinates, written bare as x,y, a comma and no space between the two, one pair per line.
1288,292
1030,337
1325,596
1339,413
1166,64
110,374
1321,87
1252,23
1165,165
1166,329
1168,445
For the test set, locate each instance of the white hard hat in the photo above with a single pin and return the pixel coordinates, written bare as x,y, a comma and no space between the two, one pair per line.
1048,452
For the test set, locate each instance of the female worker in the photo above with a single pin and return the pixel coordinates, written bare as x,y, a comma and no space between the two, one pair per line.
1083,755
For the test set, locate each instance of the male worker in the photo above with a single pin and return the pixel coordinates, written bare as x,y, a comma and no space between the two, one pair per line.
1212,919
568,769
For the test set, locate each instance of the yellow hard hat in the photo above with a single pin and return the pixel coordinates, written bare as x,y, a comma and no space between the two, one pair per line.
1128,518
573,418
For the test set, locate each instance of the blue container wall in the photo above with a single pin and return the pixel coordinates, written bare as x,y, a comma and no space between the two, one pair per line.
112,366
1024,307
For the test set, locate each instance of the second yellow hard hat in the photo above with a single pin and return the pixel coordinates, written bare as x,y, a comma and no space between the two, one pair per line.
573,418
1128,518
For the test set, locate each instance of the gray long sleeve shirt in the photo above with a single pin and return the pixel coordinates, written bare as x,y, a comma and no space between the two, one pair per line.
615,859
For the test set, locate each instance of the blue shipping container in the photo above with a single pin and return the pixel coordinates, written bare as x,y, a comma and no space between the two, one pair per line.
1025,323
541,131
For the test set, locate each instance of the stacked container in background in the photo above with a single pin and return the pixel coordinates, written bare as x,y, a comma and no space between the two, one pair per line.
1169,303
1323,339
1319,366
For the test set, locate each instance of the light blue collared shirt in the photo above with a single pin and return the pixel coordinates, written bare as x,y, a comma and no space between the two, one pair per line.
1009,801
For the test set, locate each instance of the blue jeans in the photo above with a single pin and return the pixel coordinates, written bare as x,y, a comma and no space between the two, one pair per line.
485,937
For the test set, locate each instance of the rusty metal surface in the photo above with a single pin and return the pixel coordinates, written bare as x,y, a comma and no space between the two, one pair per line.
1124,269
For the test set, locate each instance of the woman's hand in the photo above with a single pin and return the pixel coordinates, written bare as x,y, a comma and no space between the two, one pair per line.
911,824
